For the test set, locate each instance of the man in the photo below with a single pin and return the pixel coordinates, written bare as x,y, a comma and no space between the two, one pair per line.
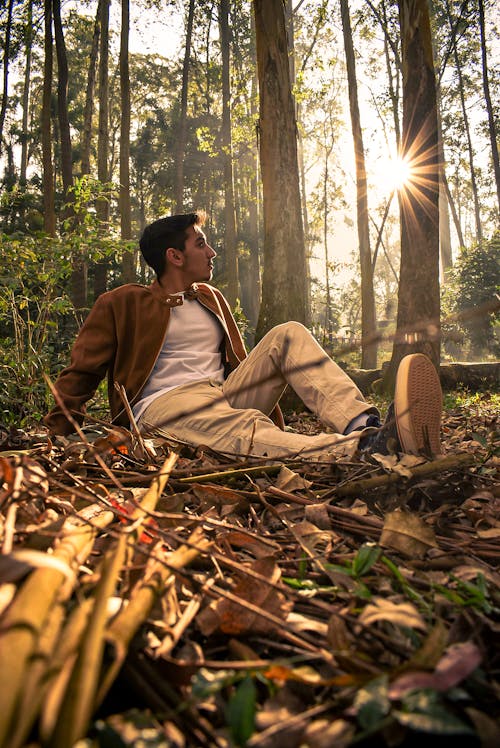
177,351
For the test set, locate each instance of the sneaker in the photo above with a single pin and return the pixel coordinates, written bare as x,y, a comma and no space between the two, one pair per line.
418,404
386,440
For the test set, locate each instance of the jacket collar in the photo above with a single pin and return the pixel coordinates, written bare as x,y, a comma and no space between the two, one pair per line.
175,299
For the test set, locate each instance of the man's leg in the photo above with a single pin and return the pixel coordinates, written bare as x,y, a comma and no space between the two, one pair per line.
289,354
199,414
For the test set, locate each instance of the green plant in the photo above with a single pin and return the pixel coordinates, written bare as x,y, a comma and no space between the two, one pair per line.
474,282
32,303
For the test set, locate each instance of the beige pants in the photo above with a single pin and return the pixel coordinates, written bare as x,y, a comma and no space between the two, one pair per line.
232,417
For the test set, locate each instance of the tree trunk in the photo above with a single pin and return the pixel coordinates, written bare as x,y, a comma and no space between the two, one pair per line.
290,30
180,147
328,328
49,216
79,272
102,205
26,94
285,272
454,214
444,215
250,269
368,318
489,106
418,319
6,55
230,240
89,94
62,108
458,66
128,261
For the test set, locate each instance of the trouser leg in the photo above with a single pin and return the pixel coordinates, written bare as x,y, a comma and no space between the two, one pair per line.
289,354
200,414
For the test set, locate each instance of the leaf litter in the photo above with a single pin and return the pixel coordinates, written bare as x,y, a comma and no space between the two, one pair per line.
151,596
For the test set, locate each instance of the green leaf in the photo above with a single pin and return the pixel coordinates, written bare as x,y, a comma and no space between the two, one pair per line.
372,704
366,557
241,711
424,711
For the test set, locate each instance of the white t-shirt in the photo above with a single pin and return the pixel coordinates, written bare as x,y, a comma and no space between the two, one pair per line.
190,352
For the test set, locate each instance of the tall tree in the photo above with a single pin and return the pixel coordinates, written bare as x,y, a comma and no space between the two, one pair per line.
6,56
102,206
368,321
230,241
49,216
489,106
284,280
79,271
62,105
28,36
180,146
128,263
86,140
466,123
418,319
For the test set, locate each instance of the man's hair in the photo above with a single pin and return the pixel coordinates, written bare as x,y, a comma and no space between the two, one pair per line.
164,233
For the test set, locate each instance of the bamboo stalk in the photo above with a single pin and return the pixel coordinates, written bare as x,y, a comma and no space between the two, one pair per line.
125,624
77,706
61,666
22,622
32,693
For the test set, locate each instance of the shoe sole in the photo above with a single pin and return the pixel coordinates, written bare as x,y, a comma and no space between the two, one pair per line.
418,404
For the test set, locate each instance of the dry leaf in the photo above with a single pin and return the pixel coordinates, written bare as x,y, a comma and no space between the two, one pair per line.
318,515
251,543
299,622
312,538
407,533
400,614
225,499
231,617
287,480
458,662
323,733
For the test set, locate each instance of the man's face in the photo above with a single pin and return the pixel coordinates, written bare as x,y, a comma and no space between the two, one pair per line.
198,256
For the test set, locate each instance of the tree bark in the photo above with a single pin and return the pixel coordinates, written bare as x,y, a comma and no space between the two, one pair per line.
49,216
368,317
489,107
128,261
180,148
285,272
230,239
89,94
102,205
470,150
418,319
62,108
6,55
26,94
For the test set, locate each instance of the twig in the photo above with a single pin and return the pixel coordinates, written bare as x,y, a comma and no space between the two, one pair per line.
450,462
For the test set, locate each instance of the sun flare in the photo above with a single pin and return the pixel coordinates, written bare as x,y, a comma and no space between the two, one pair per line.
400,172
393,174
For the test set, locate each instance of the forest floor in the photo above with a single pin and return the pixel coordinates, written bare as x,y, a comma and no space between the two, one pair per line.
251,604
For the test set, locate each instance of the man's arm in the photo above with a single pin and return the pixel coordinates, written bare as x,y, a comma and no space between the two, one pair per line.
92,353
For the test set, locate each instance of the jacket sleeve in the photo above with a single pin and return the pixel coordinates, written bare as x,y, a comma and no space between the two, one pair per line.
92,354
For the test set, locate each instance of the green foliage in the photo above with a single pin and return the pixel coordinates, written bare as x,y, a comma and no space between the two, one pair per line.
241,710
475,281
34,329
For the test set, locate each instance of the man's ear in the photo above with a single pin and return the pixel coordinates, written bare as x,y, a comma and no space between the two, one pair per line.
174,256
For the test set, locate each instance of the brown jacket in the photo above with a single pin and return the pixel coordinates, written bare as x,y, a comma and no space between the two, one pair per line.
122,337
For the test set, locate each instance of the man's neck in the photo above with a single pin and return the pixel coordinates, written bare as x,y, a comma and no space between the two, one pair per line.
174,284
